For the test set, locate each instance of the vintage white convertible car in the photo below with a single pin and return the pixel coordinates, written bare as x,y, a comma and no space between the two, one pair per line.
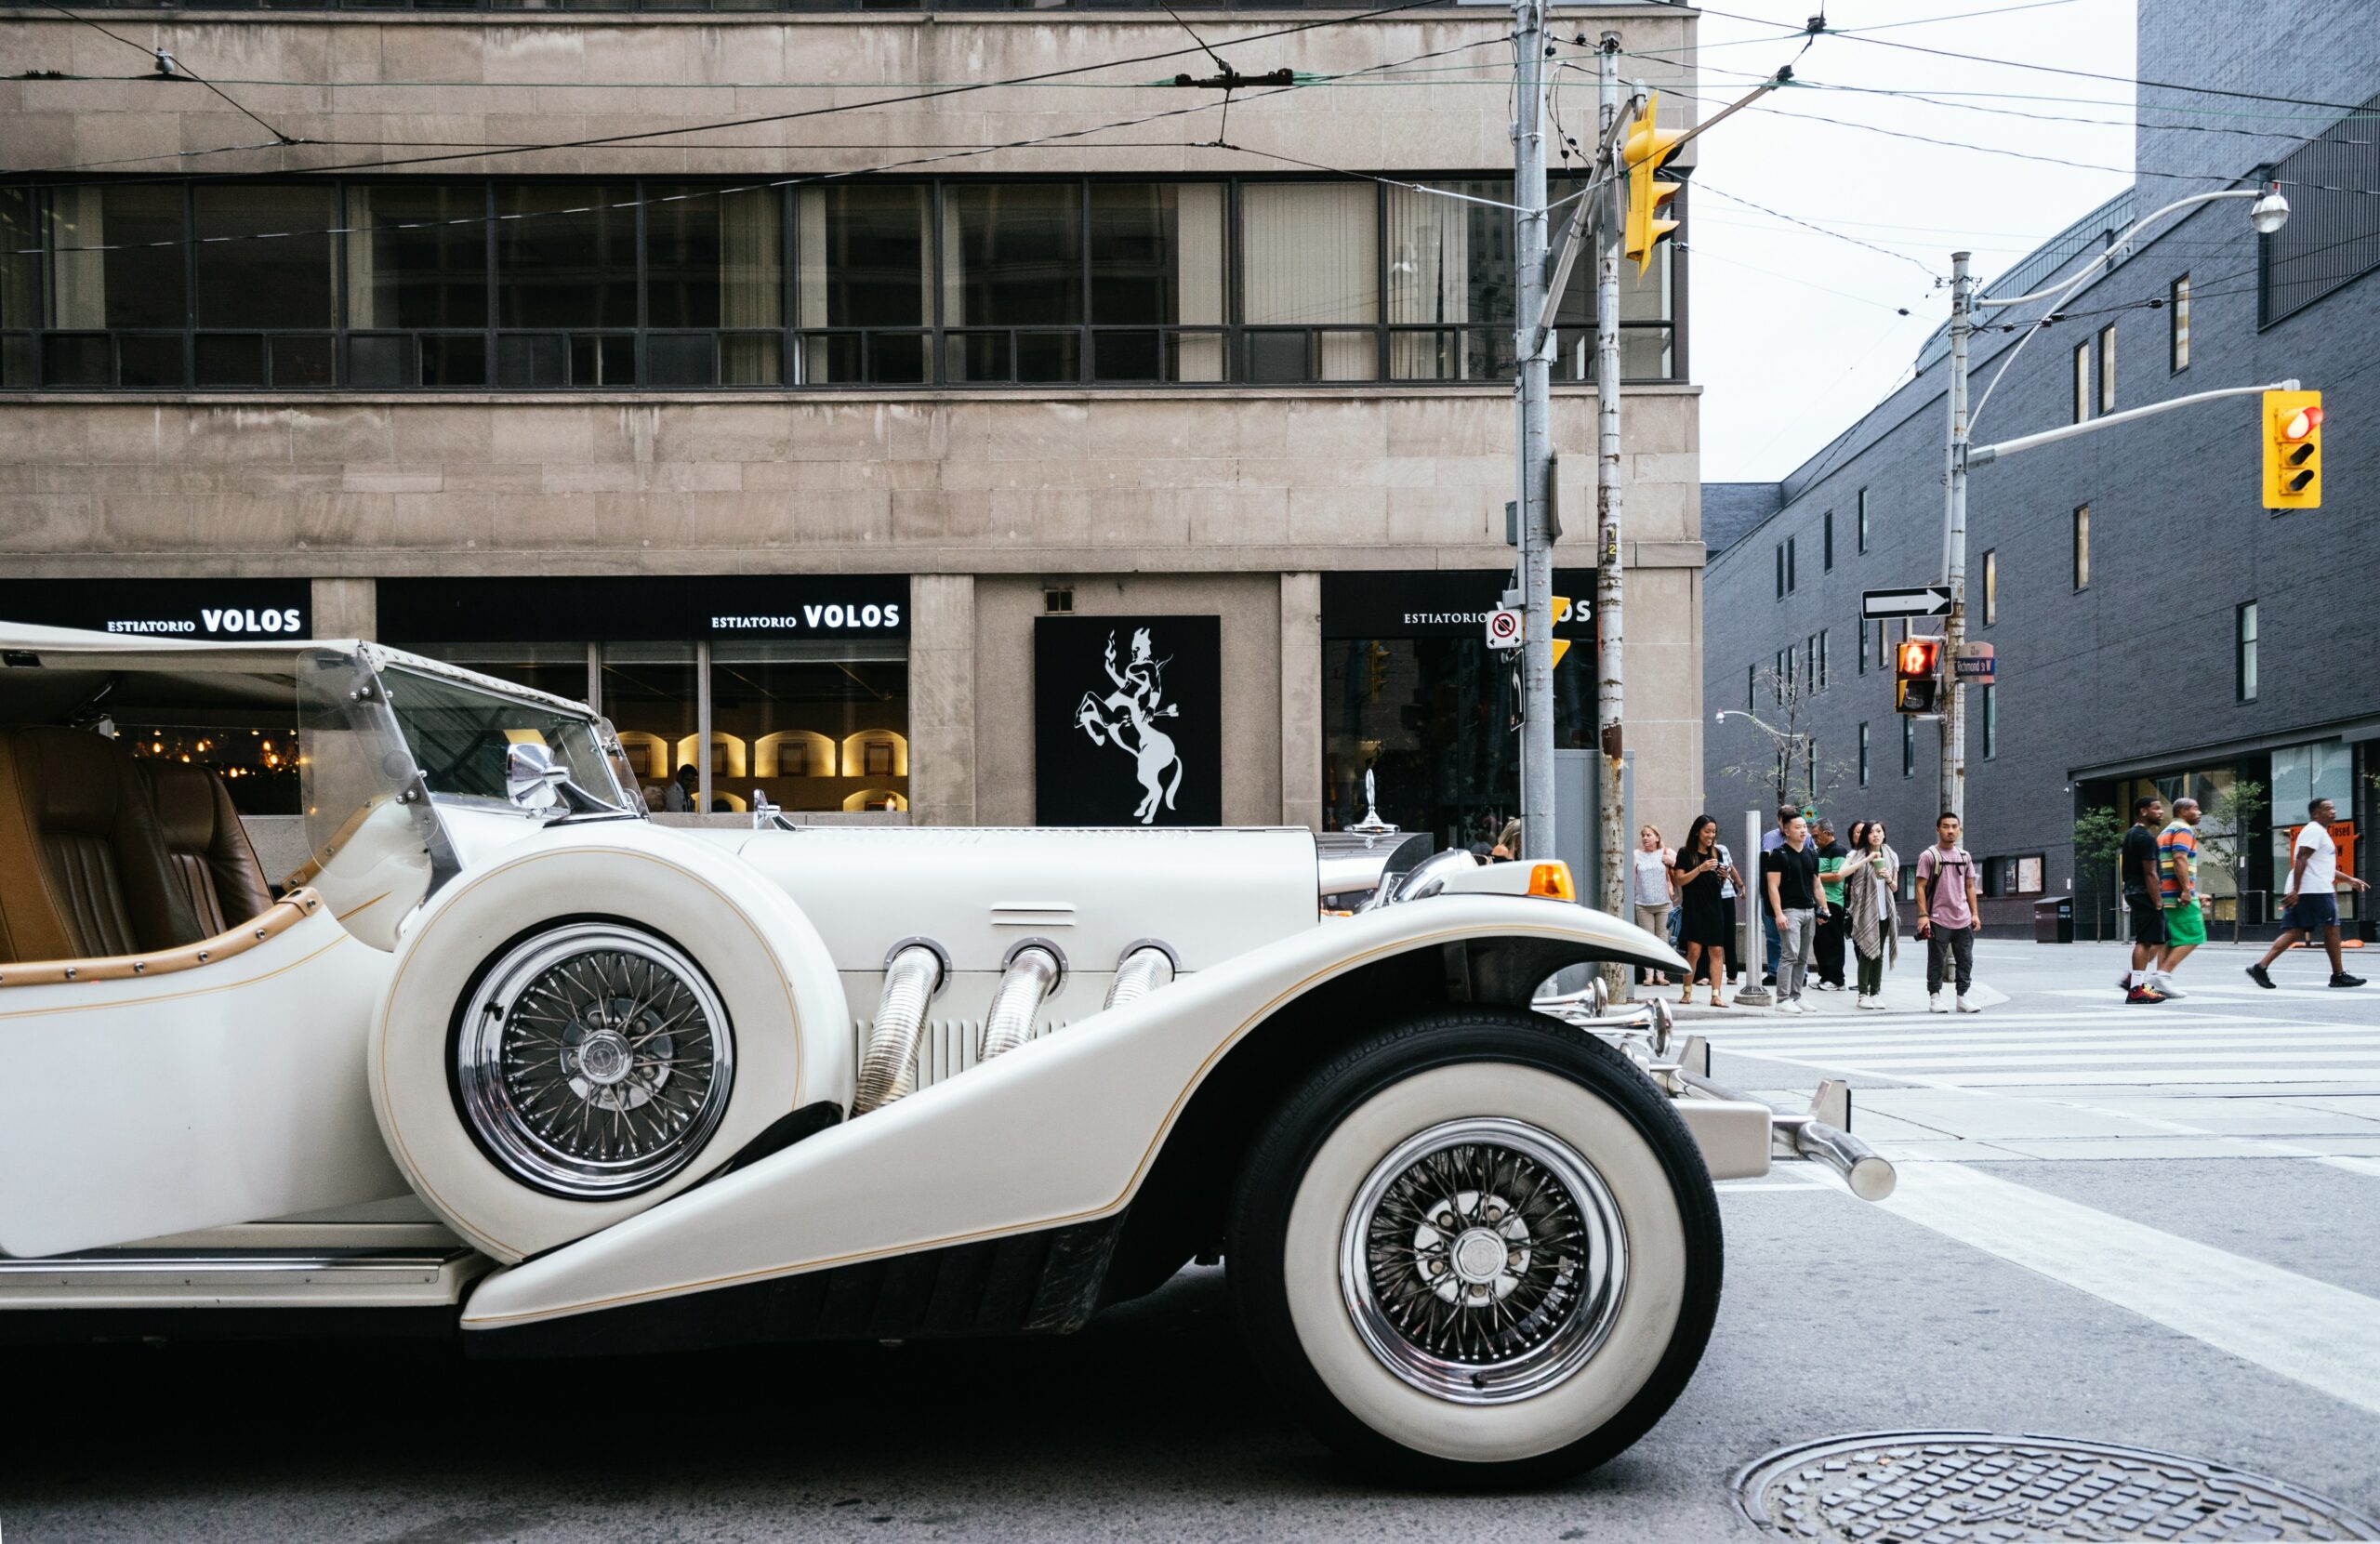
507,1060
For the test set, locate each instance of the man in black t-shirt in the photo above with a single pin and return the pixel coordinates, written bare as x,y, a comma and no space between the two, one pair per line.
1789,877
2140,897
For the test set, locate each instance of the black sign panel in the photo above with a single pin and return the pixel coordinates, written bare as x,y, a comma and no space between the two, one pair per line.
1127,720
646,608
1438,602
215,610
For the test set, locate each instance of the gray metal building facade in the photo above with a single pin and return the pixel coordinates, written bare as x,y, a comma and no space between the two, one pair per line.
2154,626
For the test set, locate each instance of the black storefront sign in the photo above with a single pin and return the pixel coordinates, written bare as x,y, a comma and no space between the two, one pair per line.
212,610
1439,603
775,607
1127,720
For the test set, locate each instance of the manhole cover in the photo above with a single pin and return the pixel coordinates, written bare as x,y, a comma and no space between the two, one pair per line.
1948,1487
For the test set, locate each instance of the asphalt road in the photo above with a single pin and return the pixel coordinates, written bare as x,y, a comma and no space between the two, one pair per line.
2171,1248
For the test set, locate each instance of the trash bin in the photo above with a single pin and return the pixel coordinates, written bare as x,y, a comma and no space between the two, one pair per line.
2053,920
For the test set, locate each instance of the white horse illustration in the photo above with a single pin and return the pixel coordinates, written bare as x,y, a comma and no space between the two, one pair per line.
1136,704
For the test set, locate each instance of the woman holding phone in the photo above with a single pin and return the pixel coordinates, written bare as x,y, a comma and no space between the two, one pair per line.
1705,929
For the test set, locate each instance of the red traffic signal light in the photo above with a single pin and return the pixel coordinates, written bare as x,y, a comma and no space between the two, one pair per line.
1917,675
2293,450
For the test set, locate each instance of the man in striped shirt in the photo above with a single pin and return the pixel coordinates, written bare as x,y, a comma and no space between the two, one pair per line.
2178,890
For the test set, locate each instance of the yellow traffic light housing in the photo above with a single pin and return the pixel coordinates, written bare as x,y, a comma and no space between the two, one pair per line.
1917,676
1642,153
2293,450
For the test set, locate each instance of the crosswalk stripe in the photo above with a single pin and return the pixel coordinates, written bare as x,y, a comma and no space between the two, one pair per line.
2173,1033
2364,1078
1985,1060
2309,1332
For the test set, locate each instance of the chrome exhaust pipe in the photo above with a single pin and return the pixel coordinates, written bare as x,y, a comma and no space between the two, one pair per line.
1144,966
1821,1134
1033,970
914,971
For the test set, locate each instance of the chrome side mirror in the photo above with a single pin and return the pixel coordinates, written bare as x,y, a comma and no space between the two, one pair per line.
763,813
533,779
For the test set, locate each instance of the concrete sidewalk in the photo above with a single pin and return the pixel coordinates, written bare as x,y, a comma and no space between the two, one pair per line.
1904,993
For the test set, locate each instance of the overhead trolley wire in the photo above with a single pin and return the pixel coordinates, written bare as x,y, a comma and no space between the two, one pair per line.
168,66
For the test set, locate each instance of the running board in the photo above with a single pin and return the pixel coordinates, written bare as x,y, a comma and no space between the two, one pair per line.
151,1278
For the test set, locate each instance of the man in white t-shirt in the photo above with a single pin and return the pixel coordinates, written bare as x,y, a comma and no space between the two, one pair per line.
2310,904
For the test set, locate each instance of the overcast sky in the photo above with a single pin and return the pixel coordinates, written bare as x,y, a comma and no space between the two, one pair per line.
1794,334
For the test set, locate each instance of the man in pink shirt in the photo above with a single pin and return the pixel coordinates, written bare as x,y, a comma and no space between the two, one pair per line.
1948,898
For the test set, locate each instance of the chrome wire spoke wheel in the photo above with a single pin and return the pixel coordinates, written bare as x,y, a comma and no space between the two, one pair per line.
1483,1260
593,1060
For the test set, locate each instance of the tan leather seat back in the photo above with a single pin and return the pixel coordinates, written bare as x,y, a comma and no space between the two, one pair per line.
83,867
205,845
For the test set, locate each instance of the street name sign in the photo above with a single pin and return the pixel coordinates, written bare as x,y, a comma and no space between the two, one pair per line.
1974,665
1922,600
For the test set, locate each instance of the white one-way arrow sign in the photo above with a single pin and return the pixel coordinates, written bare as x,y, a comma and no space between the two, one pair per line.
1932,601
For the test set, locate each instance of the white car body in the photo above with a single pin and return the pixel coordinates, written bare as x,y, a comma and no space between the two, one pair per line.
278,1118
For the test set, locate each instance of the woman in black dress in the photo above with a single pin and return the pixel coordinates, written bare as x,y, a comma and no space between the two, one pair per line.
1704,928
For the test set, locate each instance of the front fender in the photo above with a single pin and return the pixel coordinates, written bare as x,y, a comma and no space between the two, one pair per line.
1061,1132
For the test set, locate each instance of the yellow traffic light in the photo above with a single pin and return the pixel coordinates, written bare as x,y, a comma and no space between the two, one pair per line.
1642,153
2293,450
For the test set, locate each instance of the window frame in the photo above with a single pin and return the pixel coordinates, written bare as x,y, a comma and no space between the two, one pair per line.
1863,520
2106,346
1991,585
1793,579
2178,326
580,358
2082,382
1826,526
2246,628
1863,753
1990,717
2082,549
1908,745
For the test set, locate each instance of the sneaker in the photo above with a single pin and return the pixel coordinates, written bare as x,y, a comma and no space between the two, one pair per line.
1791,1004
1966,1006
2257,973
2124,982
1934,1004
2144,994
2164,987
2342,978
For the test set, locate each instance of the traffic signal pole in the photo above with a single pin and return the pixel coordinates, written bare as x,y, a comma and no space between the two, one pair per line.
1610,678
1536,437
2269,213
1954,543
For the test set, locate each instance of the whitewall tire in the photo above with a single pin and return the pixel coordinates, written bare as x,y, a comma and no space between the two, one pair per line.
1477,1249
575,1034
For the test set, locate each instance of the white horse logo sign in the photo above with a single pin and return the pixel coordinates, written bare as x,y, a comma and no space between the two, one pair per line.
1127,718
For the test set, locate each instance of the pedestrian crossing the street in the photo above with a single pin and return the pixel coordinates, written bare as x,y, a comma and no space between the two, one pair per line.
2108,1046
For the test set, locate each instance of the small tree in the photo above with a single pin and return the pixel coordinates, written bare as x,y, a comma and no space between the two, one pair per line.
2098,840
1796,770
2237,808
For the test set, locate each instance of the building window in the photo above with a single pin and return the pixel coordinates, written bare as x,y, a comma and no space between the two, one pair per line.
1991,722
1908,745
1790,577
2082,547
1752,688
2177,324
2081,382
1784,674
1810,662
2244,631
1863,755
1828,527
1991,585
1863,520
1780,571
1862,632
1821,677
545,284
2108,368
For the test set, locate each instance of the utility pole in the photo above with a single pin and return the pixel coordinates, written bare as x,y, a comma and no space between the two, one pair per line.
1536,437
1954,545
1609,676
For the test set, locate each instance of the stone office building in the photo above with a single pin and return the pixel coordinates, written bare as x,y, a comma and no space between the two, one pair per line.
551,347
2156,630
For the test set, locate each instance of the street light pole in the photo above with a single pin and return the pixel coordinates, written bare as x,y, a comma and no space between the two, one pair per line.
1611,697
2267,213
1954,543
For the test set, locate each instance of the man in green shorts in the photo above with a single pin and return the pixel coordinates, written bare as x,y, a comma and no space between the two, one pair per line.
2177,886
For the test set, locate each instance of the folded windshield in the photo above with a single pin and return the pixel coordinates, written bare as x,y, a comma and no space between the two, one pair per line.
460,735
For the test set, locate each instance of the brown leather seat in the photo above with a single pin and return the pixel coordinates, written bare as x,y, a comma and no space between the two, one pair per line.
205,846
83,865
